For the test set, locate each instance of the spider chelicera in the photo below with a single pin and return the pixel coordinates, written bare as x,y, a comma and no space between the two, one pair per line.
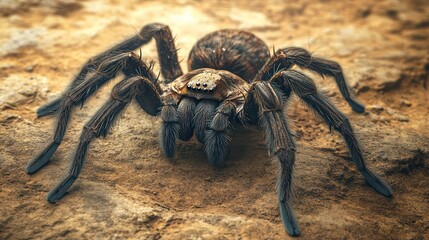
232,81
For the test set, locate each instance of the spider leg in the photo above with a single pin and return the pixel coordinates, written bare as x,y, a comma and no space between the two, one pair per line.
280,143
204,113
167,53
170,126
305,88
100,124
78,96
286,57
186,111
216,137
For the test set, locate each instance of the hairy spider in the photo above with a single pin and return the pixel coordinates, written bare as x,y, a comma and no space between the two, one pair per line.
233,81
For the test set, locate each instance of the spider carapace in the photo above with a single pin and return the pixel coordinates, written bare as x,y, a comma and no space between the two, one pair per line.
232,80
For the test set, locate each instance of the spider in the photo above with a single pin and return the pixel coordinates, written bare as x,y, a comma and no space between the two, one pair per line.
232,81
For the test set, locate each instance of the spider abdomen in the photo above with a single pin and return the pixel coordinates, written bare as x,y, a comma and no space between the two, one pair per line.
239,52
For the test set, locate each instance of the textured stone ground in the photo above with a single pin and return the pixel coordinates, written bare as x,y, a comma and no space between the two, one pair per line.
128,189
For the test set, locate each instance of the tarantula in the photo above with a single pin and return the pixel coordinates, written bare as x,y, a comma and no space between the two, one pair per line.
232,81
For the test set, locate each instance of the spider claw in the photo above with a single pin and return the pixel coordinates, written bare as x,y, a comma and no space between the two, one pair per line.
288,219
377,183
356,106
49,108
60,190
38,162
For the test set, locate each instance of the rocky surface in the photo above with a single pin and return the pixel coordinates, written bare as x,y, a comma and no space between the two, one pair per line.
128,189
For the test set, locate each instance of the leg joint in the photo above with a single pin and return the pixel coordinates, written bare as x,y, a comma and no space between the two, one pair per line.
299,83
269,97
149,30
169,114
125,90
296,55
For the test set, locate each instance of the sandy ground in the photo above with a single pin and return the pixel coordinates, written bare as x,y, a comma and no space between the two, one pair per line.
128,189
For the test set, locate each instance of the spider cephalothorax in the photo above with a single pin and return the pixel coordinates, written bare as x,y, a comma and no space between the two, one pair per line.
232,80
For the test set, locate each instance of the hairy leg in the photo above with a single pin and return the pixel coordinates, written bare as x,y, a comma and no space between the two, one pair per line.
98,126
90,66
108,70
186,111
216,137
280,144
286,57
204,113
170,126
305,88
167,53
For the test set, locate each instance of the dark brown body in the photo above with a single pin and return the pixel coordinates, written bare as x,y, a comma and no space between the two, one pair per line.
238,52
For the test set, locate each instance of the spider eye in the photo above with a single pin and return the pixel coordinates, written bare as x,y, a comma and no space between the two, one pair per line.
205,84
198,84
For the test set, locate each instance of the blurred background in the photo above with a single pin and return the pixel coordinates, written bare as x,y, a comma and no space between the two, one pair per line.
128,189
